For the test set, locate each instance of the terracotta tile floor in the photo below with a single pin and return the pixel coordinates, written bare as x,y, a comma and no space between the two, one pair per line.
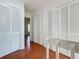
35,52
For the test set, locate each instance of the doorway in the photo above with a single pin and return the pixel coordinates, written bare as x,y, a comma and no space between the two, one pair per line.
27,32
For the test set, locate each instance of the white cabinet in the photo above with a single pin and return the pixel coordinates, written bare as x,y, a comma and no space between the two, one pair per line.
50,23
4,19
9,29
15,20
15,33
41,29
64,23
55,23
69,21
4,43
74,18
35,29
38,29
74,22
4,29
14,41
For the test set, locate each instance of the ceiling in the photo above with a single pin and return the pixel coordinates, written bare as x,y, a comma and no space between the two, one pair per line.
35,5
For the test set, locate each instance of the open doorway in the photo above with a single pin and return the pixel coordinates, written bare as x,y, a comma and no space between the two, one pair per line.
27,32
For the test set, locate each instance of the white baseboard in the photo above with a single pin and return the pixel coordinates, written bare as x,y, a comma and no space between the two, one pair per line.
8,52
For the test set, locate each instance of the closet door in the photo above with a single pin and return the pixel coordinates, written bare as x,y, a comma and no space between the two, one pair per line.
4,29
15,29
41,23
74,22
50,23
56,24
64,22
35,29
38,29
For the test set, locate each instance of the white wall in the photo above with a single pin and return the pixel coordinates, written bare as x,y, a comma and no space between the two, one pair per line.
12,26
28,14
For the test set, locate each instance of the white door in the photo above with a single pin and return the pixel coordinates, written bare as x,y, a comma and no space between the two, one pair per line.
4,29
74,22
56,24
36,29
15,29
41,28
64,22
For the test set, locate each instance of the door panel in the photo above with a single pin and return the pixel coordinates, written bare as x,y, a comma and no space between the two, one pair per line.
56,24
15,41
4,19
4,29
15,20
64,22
74,22
4,43
15,29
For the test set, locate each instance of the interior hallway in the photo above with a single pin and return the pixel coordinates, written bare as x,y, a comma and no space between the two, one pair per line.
51,21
